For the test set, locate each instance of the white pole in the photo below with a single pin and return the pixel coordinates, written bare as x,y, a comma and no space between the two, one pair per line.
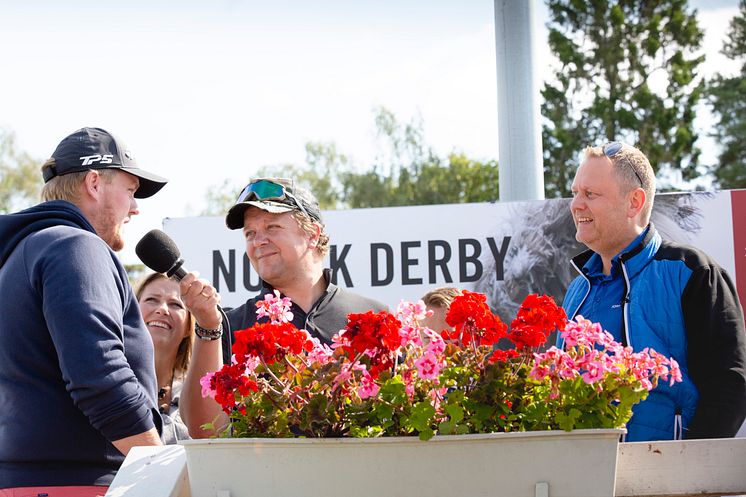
518,96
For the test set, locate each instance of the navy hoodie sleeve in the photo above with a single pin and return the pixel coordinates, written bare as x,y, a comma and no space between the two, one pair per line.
716,352
84,295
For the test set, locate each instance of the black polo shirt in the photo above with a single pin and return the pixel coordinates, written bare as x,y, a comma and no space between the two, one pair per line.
327,316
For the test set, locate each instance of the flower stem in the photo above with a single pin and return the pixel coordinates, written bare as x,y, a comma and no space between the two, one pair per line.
272,374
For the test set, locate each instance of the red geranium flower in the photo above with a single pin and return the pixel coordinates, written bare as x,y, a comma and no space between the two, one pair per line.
270,341
503,355
371,331
376,334
227,380
536,319
473,321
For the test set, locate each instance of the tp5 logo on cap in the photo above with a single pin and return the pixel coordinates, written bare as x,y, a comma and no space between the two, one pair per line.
96,148
91,159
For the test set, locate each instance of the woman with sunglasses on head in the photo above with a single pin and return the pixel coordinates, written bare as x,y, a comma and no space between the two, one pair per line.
171,328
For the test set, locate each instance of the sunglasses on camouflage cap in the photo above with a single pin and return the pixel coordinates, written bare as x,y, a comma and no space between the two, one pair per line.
264,189
613,148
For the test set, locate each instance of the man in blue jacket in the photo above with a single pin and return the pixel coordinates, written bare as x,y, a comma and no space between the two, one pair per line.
649,292
77,378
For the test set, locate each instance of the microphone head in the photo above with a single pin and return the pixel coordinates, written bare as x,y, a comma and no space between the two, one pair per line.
158,251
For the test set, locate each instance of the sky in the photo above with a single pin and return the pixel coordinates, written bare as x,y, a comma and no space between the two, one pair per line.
207,91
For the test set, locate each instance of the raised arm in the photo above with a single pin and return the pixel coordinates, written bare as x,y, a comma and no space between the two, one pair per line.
207,356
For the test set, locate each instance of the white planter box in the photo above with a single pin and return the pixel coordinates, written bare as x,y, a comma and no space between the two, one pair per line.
581,463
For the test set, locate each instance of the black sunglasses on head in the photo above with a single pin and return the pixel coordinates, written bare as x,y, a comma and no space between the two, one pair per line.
613,148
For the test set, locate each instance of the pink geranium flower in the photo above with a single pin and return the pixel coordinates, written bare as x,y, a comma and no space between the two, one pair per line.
368,387
207,390
275,307
428,366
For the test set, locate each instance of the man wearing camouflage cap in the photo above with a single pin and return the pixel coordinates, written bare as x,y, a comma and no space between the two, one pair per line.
286,244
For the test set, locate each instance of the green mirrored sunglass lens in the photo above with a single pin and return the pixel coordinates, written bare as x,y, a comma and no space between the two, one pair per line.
265,189
262,190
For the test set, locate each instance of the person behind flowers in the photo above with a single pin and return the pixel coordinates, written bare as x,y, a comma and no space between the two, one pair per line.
77,381
286,243
651,293
438,301
171,328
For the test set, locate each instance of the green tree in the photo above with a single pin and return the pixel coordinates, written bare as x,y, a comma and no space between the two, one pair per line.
727,97
406,171
20,176
400,157
409,172
627,72
325,165
458,179
219,198
321,173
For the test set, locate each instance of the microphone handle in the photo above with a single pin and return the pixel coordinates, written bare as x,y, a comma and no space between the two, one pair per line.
177,271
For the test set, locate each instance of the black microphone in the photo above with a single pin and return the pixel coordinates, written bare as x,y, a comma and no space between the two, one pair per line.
159,252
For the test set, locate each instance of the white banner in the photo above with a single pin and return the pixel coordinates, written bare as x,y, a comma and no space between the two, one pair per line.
505,250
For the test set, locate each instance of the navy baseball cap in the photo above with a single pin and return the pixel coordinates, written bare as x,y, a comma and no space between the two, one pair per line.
95,148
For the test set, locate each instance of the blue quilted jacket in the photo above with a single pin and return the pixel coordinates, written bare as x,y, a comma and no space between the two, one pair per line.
680,303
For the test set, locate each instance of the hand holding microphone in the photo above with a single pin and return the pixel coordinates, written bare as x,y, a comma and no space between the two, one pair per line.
160,253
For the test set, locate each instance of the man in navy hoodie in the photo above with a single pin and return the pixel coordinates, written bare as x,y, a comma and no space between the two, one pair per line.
77,378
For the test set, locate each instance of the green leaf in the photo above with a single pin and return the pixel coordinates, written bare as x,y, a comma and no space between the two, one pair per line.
421,417
426,434
568,421
455,412
447,427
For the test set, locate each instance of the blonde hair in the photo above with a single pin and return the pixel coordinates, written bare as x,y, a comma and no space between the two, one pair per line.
441,297
67,186
634,170
184,354
307,225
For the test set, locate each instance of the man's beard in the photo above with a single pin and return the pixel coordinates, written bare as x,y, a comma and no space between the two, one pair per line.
110,230
115,242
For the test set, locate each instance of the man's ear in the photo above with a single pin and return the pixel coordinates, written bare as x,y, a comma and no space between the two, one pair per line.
92,184
637,199
313,239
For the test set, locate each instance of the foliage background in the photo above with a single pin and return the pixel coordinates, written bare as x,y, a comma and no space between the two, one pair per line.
630,69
